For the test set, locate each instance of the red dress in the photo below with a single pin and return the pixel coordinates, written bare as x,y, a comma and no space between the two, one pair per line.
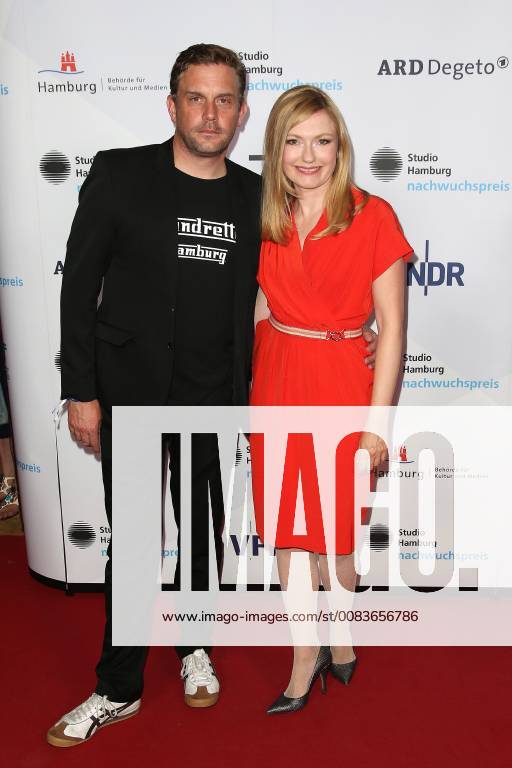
327,285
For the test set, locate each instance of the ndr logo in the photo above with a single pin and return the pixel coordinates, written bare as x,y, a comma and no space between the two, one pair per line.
432,273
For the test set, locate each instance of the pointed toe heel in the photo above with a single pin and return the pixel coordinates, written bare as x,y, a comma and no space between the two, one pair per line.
343,672
287,704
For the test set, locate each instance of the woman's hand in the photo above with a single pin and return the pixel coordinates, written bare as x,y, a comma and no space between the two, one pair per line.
372,340
375,446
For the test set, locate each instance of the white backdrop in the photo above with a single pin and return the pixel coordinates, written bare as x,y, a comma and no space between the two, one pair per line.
425,93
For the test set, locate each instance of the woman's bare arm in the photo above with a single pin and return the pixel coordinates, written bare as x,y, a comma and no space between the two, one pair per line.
261,310
388,298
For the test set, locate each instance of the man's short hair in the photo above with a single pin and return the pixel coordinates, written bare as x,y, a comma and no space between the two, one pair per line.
208,53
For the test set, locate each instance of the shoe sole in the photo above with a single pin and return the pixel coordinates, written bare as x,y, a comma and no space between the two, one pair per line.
209,702
57,741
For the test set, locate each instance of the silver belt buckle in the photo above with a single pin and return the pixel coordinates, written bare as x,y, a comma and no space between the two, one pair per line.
335,335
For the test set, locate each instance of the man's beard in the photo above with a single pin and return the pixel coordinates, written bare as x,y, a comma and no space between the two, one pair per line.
197,149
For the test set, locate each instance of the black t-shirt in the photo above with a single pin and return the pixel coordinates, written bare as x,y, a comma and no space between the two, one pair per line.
203,360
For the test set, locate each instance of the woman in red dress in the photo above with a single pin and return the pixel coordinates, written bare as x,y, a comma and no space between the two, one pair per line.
331,254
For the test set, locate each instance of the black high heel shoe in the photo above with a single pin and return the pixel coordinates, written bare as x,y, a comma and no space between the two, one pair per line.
343,672
286,704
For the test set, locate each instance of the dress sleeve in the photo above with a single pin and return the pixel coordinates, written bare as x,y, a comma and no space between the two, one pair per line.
260,275
390,243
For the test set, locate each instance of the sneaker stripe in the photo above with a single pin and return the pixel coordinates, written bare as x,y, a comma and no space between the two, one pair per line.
94,724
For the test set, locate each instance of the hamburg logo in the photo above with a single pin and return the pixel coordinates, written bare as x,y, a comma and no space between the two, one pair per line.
400,456
67,66
65,74
386,164
55,167
81,535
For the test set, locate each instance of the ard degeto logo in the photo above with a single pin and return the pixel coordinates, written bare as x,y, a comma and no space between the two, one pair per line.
55,167
81,535
386,164
456,70
67,66
434,273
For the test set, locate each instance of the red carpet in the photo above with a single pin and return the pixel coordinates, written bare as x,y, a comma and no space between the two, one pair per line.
411,707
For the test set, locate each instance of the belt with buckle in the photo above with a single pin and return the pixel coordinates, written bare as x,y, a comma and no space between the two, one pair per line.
349,333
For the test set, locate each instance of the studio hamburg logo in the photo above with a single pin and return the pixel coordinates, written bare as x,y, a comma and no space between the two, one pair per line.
386,164
81,535
55,167
379,537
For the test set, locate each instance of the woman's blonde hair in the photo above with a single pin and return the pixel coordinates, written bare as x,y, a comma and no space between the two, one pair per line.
293,107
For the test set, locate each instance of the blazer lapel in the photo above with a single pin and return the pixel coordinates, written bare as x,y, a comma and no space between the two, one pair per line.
163,200
247,245
246,216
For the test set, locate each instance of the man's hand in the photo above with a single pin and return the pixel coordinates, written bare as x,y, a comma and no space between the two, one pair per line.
372,338
84,421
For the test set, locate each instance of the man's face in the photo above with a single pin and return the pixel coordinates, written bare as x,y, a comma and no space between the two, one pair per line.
206,110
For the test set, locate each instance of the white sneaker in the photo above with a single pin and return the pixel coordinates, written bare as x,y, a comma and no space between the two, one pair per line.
82,722
201,683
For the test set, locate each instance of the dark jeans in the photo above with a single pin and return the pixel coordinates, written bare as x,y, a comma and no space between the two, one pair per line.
120,670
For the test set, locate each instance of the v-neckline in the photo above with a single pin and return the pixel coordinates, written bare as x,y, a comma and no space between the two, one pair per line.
311,232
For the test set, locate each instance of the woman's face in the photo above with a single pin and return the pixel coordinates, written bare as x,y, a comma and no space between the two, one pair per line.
310,152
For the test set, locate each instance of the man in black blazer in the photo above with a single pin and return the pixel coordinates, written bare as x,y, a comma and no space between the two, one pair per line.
170,233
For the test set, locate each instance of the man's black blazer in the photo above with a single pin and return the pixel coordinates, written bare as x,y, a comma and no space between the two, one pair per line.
125,234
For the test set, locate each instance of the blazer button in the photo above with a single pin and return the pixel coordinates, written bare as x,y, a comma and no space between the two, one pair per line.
169,346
